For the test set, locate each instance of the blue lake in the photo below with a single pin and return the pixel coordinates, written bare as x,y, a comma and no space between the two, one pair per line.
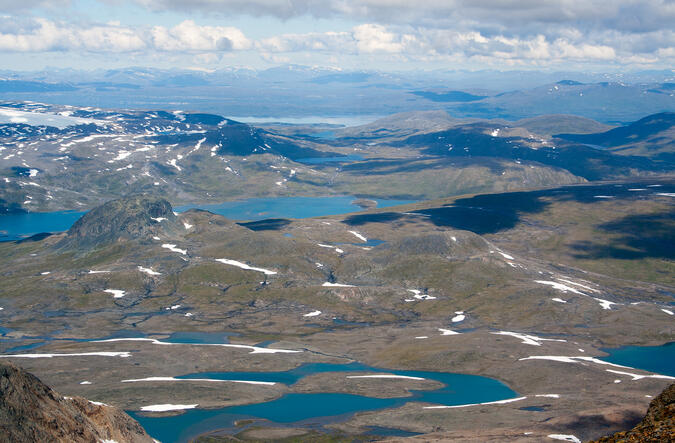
18,226
319,408
659,359
288,207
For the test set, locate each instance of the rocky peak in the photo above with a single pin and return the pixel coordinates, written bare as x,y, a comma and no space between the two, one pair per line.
135,217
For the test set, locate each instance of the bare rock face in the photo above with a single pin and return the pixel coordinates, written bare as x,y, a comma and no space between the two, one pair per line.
31,411
657,426
136,217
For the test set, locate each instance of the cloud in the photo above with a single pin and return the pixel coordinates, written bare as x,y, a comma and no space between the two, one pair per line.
42,35
514,29
188,36
495,15
391,43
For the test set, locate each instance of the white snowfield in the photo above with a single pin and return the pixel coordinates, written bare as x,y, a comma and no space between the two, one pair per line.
526,338
581,359
588,288
405,377
605,304
148,271
151,379
253,349
419,296
559,300
459,316
173,248
359,236
167,407
338,250
80,354
559,286
499,402
564,437
312,314
245,266
448,332
117,293
506,256
640,377
337,285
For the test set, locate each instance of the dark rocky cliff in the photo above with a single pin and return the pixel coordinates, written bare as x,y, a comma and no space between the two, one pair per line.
31,411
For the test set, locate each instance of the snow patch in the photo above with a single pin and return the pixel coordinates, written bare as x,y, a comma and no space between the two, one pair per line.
173,248
526,338
564,437
117,293
80,354
359,236
499,402
148,271
167,407
337,285
245,266
151,379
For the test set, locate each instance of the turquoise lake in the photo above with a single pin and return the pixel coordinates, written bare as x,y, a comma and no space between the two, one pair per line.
319,408
18,226
659,359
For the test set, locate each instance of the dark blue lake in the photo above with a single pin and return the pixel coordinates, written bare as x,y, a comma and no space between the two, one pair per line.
18,226
659,359
307,409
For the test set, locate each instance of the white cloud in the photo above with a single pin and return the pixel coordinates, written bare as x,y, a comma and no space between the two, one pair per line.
41,35
188,36
496,15
208,44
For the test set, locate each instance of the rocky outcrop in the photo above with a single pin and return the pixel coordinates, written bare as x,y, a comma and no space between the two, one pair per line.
136,217
31,411
657,426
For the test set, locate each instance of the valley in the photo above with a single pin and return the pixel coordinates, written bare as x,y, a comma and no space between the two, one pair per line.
418,277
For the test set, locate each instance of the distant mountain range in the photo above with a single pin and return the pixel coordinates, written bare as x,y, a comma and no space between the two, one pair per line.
298,91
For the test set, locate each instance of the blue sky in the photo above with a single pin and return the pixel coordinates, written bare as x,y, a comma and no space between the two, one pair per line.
596,35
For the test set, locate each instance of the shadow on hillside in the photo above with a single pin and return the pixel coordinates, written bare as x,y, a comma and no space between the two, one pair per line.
269,224
642,236
491,213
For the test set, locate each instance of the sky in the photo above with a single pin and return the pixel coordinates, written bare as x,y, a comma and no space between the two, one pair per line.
385,35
